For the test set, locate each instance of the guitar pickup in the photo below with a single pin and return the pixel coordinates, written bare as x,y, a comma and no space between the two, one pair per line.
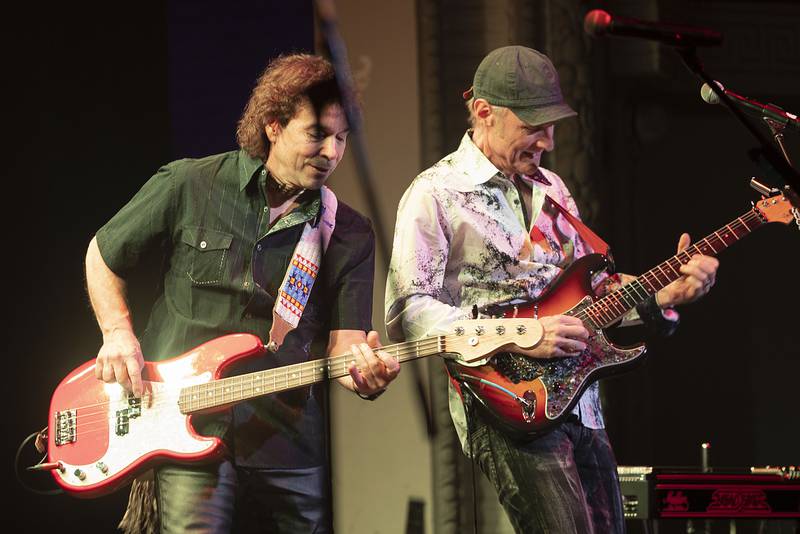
134,406
123,422
66,427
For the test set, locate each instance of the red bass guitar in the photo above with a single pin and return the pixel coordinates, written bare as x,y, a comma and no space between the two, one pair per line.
100,436
530,407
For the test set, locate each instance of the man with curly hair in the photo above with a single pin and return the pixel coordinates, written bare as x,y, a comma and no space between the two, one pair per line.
229,228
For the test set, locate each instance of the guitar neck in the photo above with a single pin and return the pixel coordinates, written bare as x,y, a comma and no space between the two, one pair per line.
609,309
228,391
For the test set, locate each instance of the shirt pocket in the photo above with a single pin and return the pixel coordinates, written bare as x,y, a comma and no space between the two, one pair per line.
207,255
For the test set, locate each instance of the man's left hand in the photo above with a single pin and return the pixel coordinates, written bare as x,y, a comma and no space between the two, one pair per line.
698,276
370,370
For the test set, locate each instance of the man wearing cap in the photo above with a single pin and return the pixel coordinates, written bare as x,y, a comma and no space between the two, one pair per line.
487,224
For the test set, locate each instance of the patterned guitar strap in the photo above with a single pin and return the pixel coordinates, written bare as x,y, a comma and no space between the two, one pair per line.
302,272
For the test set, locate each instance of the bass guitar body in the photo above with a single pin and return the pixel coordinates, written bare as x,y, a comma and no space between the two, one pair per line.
529,407
100,437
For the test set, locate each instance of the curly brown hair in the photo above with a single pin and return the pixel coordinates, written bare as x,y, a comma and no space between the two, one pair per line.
280,89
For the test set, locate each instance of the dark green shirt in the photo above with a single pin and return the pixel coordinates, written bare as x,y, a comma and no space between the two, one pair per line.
223,266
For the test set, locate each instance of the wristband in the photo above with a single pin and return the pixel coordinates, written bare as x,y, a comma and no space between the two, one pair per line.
369,397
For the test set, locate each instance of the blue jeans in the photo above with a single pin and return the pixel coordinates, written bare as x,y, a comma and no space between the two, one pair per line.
222,498
562,482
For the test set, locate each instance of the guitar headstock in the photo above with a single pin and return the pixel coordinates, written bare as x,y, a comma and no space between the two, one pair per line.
475,340
780,207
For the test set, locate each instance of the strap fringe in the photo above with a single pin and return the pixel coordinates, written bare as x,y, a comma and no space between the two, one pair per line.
141,516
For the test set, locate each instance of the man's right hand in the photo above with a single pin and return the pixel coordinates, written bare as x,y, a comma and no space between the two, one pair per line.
120,360
563,336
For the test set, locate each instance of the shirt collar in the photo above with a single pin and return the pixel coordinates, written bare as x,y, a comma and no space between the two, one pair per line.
474,168
471,165
249,167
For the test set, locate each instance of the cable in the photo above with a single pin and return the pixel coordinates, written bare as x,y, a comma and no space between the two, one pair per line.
470,414
18,472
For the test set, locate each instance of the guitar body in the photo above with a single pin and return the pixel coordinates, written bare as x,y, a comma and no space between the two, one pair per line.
102,437
530,407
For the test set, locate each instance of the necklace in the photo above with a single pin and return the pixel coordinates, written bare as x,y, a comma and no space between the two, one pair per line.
275,185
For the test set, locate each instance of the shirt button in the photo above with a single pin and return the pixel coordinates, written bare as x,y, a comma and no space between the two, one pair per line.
248,315
203,244
259,247
247,284
266,209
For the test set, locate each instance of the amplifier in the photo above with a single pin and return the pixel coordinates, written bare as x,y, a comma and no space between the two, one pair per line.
757,492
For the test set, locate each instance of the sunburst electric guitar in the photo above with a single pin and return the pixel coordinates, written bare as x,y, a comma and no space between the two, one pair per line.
99,436
530,407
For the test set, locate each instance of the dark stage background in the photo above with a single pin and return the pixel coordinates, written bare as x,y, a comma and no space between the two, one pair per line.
101,99
105,98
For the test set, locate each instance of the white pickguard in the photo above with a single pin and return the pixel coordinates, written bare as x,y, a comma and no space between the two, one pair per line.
161,428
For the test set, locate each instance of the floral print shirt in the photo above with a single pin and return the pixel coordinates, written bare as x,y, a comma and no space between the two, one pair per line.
461,239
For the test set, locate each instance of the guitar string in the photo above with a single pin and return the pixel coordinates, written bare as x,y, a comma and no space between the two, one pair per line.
613,303
100,419
596,308
602,309
583,313
312,363
400,350
282,373
605,307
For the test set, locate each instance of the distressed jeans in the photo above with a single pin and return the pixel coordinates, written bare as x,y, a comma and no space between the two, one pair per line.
562,482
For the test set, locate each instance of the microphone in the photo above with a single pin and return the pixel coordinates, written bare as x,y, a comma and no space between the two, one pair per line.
598,23
765,110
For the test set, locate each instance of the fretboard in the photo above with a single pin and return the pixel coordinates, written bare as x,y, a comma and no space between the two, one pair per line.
609,309
228,391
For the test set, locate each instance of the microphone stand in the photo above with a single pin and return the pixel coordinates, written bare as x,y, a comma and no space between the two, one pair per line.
338,54
767,156
777,128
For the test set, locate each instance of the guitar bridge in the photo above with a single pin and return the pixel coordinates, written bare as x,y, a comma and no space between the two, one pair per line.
66,427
